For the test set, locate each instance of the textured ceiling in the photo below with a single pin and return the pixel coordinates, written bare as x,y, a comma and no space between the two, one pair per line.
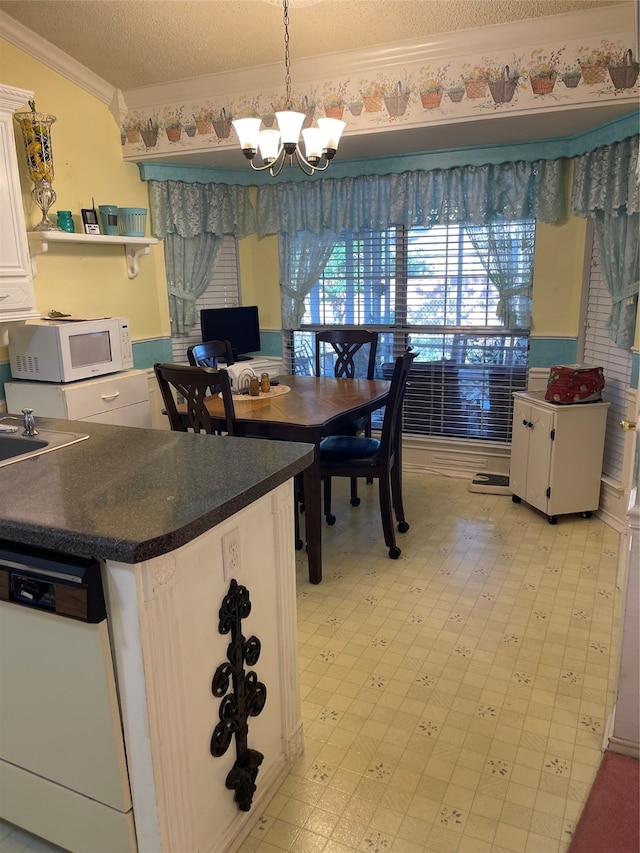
133,43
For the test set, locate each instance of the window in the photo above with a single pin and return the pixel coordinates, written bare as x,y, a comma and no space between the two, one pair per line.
438,290
223,291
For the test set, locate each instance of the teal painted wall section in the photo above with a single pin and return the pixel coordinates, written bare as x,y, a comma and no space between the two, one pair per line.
147,353
547,352
271,343
635,369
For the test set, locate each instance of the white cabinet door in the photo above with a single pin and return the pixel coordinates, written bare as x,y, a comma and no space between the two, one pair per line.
122,399
556,454
17,300
137,415
530,453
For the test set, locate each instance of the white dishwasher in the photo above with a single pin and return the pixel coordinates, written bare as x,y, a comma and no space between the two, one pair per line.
63,771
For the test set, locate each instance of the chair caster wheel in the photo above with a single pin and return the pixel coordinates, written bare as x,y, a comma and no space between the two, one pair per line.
403,527
330,519
586,514
299,544
553,519
516,499
394,553
355,501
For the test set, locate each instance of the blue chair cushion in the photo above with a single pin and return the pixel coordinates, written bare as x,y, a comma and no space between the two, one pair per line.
338,448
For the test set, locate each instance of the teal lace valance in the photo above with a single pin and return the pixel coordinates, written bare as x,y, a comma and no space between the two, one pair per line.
476,194
192,209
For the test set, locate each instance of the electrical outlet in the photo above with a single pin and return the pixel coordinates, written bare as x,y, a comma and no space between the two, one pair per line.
231,553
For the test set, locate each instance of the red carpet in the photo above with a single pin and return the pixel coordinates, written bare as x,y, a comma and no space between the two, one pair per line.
609,822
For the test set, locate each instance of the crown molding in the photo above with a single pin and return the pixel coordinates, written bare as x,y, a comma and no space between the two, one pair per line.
39,48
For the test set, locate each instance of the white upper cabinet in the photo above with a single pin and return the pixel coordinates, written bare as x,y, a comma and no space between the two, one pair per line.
17,300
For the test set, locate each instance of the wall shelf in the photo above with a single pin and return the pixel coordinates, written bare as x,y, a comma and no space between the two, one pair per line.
135,247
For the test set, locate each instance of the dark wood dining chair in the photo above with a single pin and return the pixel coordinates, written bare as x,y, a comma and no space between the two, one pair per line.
348,354
193,385
208,353
359,456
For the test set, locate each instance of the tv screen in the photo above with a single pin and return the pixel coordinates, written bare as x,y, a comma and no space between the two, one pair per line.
240,326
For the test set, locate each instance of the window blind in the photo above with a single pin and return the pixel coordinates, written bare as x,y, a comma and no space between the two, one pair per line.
223,291
600,350
437,290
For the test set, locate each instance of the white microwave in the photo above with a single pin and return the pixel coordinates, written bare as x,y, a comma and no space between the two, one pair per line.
67,350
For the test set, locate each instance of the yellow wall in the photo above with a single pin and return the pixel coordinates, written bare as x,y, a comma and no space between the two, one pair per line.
557,278
88,164
260,278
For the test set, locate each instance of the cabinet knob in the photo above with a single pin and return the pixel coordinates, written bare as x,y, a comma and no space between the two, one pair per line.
628,426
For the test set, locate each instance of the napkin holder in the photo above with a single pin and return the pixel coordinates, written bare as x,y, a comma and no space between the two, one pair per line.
240,376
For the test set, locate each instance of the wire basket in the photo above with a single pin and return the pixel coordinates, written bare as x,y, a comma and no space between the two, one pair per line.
132,221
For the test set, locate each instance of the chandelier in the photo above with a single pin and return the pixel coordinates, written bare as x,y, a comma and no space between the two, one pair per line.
281,146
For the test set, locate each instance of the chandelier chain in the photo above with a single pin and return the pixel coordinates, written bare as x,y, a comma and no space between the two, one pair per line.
287,58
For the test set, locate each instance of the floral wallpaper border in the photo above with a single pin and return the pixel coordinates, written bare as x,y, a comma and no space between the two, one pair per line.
540,78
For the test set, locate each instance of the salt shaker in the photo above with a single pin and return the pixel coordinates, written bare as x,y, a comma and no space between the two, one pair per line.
265,383
254,386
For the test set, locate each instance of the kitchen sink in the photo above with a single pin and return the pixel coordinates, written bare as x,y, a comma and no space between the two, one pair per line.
14,447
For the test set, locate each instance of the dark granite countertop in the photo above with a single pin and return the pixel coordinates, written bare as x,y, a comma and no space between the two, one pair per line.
130,494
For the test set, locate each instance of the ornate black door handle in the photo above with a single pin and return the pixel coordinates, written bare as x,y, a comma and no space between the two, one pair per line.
246,700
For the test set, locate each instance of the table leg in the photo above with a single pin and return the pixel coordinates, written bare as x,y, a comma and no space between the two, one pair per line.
313,518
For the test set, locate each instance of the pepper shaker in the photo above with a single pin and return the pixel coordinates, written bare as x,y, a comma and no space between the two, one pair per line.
265,383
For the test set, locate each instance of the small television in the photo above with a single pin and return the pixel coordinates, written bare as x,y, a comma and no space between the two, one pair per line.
240,326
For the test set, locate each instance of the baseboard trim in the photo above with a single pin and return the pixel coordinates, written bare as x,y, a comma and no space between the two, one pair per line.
624,747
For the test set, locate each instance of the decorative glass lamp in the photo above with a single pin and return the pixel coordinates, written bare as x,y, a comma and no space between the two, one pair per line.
36,133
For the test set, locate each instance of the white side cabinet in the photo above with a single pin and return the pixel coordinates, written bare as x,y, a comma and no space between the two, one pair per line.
121,399
556,454
17,300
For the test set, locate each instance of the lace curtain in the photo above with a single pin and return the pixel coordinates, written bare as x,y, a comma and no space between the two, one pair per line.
605,187
190,263
190,209
464,194
506,253
193,219
302,259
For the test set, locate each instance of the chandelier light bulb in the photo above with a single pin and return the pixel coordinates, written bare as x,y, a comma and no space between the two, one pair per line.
269,145
248,130
331,130
313,144
290,124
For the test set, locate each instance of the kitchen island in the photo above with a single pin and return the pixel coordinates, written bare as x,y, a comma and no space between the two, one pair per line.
174,519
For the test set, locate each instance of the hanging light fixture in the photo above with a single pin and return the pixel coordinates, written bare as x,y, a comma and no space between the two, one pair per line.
281,146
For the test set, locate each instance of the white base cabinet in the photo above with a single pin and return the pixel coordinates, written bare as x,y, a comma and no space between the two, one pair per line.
121,399
165,618
556,454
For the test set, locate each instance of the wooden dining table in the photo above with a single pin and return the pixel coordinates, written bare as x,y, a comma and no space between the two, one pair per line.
311,409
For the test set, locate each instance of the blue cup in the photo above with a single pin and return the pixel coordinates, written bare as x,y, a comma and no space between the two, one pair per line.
65,220
109,219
